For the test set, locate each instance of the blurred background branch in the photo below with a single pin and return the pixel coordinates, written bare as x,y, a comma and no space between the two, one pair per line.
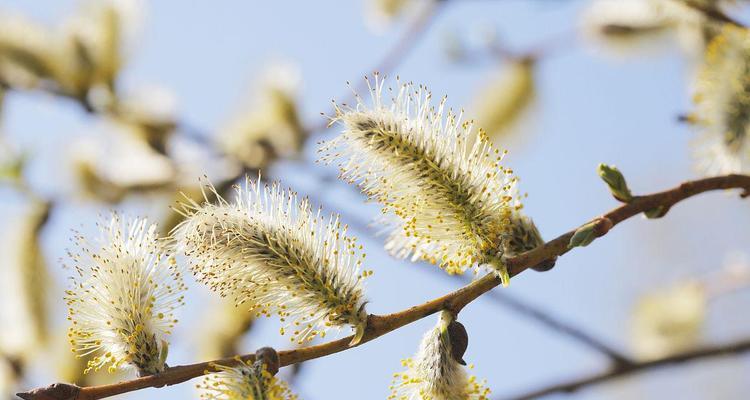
725,350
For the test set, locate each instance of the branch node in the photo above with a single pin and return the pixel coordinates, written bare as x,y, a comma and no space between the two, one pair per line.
269,357
586,234
545,265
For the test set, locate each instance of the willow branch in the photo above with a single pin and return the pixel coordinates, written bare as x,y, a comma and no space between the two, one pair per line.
410,37
379,325
713,13
515,305
735,348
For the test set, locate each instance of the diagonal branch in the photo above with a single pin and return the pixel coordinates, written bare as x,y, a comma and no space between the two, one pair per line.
379,325
734,348
712,12
514,304
398,52
557,325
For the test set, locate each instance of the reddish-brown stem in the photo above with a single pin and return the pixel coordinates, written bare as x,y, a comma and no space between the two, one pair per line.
379,325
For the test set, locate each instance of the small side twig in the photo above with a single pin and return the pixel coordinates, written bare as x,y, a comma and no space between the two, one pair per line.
398,52
562,327
735,348
712,12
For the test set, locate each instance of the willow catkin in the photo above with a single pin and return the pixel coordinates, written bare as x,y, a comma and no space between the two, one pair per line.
445,195
274,254
122,298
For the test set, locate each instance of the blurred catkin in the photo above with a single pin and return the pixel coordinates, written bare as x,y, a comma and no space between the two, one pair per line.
624,26
268,126
80,59
504,97
668,321
224,327
722,101
28,285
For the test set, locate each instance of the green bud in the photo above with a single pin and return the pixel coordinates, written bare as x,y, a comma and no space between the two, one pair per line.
583,236
657,212
504,275
586,234
164,352
616,182
501,270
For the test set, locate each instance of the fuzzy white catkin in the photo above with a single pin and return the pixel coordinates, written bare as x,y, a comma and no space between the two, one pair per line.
245,381
445,196
434,373
122,297
625,26
274,254
722,101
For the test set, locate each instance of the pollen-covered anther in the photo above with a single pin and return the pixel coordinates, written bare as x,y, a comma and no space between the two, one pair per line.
122,297
445,197
277,256
437,371
722,101
246,380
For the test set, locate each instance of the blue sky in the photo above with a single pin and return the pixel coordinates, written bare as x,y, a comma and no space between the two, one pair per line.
591,108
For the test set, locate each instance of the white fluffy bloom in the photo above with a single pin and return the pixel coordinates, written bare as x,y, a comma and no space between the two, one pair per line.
434,373
27,51
445,194
632,24
272,252
84,53
245,381
722,100
615,19
122,297
505,98
268,126
669,321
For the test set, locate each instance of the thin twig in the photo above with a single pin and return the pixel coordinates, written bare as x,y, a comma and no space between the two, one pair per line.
738,347
396,54
557,325
379,325
410,37
713,13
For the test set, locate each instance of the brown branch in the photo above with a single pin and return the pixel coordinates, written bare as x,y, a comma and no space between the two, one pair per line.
419,25
515,305
379,325
738,347
713,13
